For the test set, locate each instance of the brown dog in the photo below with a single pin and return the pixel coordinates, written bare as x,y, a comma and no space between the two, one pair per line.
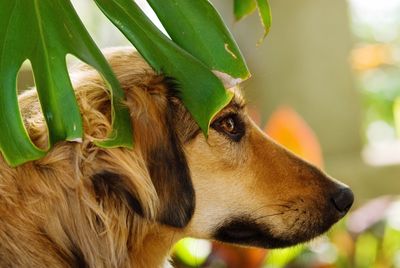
84,206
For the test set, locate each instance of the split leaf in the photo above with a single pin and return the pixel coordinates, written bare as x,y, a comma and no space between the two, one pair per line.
45,31
201,91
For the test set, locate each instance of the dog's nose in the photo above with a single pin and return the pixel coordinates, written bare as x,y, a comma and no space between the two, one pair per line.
343,200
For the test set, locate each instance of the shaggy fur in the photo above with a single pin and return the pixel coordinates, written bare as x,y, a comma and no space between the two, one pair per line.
84,206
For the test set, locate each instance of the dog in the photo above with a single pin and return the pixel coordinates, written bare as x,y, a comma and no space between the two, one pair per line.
85,206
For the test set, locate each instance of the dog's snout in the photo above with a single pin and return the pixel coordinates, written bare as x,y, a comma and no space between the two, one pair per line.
343,200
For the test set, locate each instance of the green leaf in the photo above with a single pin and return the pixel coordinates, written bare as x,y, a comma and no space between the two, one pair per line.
242,8
45,31
197,27
200,90
264,11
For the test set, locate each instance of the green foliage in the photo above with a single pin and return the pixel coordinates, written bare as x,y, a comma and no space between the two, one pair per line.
45,32
201,44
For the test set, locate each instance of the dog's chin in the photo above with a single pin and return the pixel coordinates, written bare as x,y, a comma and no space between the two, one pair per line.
247,232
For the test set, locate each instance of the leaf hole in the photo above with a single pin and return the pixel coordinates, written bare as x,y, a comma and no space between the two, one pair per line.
30,108
25,79
103,32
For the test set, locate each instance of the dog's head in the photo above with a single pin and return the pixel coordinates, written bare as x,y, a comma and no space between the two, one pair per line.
237,185
251,191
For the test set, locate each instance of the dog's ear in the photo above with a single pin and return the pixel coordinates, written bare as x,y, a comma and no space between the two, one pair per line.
171,177
157,139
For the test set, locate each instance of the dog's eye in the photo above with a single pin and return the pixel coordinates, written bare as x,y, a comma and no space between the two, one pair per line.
230,125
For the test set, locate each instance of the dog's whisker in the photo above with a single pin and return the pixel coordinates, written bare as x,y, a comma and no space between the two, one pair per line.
269,215
271,206
258,209
281,205
275,214
285,205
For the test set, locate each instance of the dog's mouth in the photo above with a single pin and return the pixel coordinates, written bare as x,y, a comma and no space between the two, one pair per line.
249,233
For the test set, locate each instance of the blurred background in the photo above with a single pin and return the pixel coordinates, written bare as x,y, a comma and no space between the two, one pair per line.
326,84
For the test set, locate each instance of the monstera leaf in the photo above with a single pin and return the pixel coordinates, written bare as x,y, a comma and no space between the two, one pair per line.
45,31
200,90
200,24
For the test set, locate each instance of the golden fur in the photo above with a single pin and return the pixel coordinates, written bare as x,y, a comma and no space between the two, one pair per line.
84,206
